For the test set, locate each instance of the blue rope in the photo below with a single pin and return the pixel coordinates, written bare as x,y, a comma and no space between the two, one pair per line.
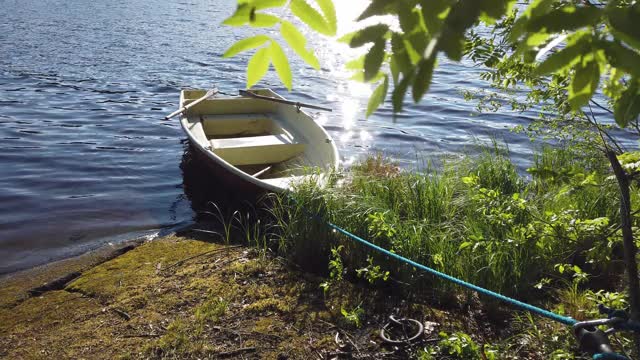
542,312
609,356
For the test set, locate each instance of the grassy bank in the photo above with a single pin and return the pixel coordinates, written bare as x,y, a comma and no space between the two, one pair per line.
187,297
549,237
277,283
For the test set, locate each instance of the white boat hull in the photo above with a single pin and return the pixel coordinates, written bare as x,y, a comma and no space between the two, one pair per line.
257,145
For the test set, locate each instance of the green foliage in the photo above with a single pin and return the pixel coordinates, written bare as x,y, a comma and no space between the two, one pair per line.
476,219
247,13
258,66
582,46
372,273
459,346
211,310
378,96
325,23
336,269
246,44
281,64
354,316
297,42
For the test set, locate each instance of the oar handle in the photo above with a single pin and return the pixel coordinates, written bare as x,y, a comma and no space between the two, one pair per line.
282,101
192,104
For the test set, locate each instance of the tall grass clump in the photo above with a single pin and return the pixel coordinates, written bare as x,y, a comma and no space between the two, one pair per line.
477,218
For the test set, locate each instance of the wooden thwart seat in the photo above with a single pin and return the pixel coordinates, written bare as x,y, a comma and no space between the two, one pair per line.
239,125
254,150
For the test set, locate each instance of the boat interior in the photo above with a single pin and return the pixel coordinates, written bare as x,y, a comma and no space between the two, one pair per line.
275,144
254,143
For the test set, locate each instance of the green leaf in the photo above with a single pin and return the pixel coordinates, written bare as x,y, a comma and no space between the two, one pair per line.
258,66
297,42
537,8
397,97
378,96
627,107
395,71
330,18
346,38
625,24
400,55
281,64
266,4
367,35
423,78
373,59
622,57
564,58
462,16
356,64
359,77
310,16
418,40
408,19
567,18
264,20
378,7
246,44
240,17
583,84
414,57
432,11
493,10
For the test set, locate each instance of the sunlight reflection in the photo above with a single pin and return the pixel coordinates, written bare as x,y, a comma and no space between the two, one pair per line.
349,112
350,97
365,137
346,136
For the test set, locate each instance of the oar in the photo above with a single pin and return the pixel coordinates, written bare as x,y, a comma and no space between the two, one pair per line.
192,104
282,101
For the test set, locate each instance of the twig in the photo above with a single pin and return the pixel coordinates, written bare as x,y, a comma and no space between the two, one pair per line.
601,107
122,314
199,255
236,351
141,336
230,261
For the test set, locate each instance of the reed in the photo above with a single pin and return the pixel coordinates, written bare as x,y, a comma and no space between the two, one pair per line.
476,218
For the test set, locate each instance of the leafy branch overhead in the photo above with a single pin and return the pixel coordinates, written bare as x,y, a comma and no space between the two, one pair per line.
268,50
592,46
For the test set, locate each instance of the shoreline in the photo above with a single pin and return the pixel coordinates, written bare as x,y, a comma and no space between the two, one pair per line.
102,249
187,297
22,282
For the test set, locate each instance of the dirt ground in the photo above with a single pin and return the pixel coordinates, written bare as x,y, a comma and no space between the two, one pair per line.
178,297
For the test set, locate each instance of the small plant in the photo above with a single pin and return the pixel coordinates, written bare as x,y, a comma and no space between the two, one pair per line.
379,227
335,268
354,316
211,310
372,272
459,346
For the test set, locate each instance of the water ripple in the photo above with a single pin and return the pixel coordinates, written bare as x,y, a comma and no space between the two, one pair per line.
87,157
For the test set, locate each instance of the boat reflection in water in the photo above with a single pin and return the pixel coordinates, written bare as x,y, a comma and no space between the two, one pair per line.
213,201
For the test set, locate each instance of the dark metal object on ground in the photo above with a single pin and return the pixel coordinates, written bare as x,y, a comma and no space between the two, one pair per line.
407,326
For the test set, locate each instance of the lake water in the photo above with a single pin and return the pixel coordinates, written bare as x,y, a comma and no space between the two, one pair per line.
85,156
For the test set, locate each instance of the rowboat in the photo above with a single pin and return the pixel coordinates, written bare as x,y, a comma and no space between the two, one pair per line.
258,142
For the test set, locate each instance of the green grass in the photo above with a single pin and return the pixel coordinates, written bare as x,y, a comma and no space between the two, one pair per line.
548,236
475,218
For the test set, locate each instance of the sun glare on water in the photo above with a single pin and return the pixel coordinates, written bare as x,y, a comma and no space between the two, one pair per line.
352,96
